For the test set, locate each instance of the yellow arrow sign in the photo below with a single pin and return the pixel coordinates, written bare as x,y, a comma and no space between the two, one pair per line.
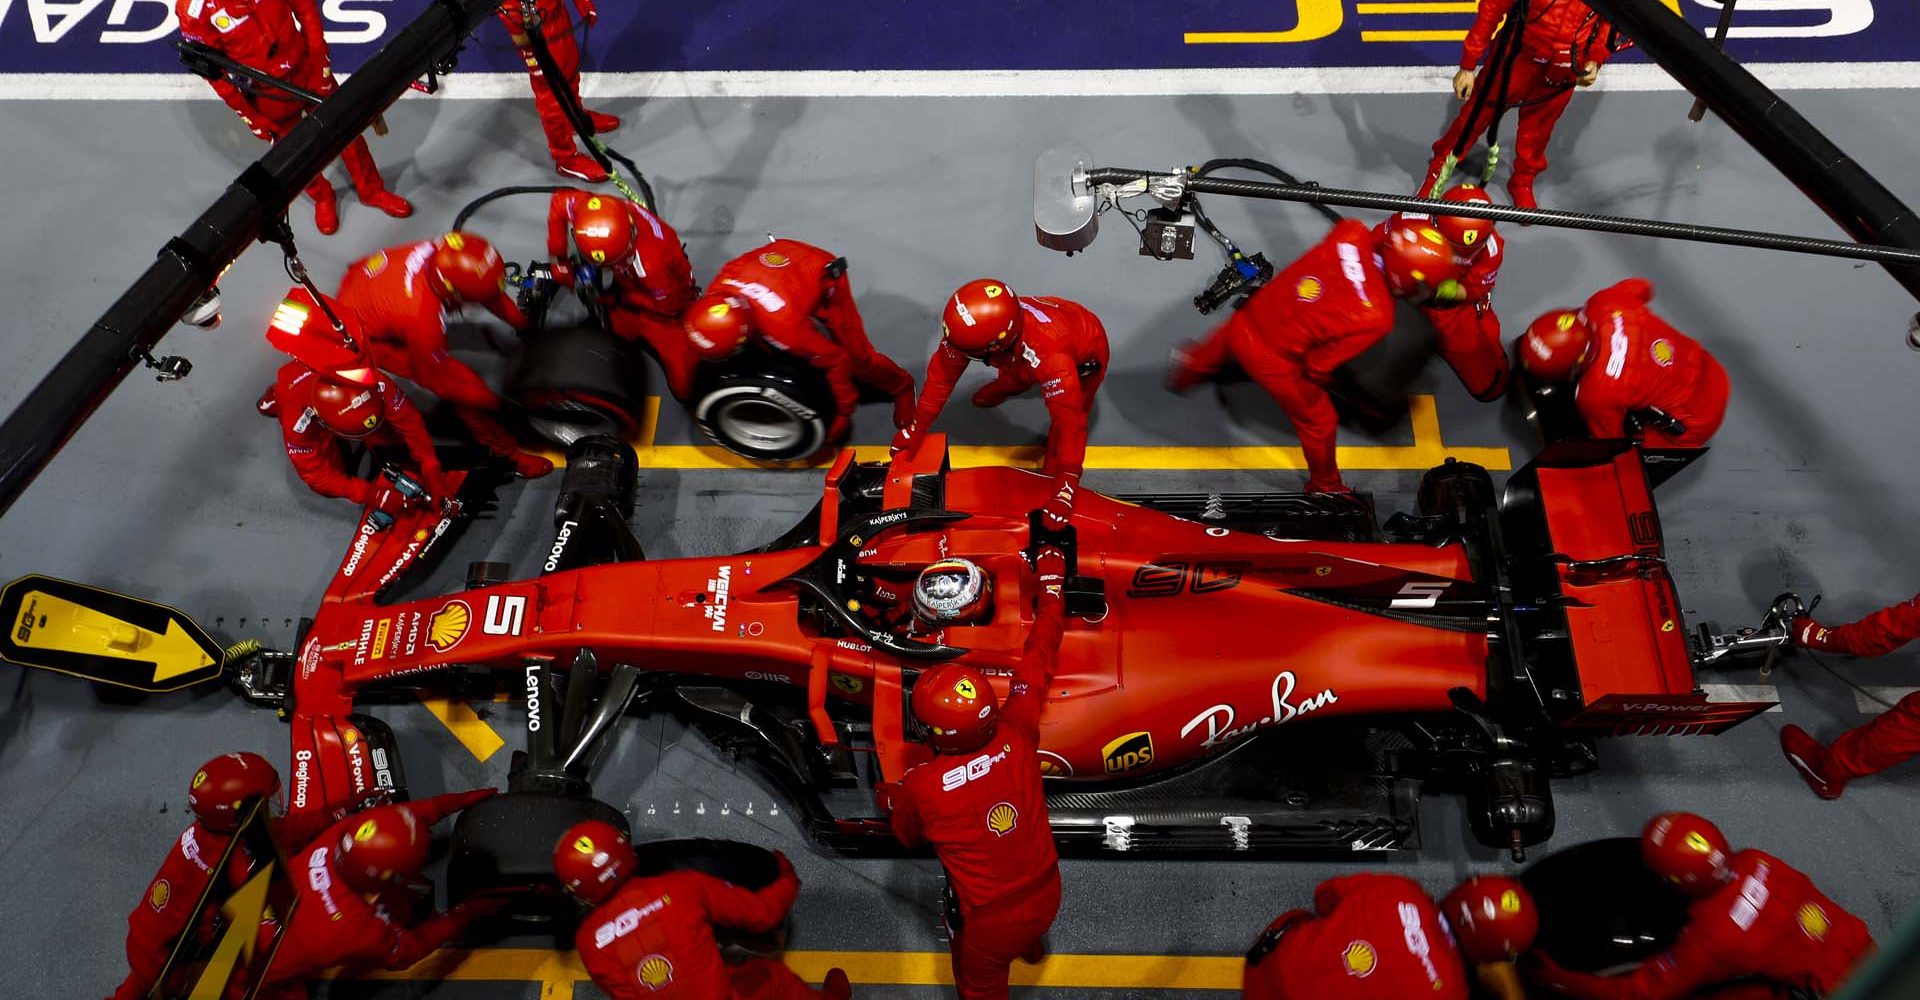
70,626
97,634
242,912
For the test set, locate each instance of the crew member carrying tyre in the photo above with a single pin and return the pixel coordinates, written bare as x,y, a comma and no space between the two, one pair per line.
284,39
1324,310
638,264
354,908
1754,919
400,297
217,796
1466,330
1625,362
557,29
1891,738
1380,937
990,831
321,415
652,937
1055,344
775,294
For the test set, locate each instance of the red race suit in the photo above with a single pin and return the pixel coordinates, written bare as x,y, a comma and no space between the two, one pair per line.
654,939
986,816
405,323
1370,937
334,924
789,285
1324,310
1894,735
319,456
557,28
1768,923
645,304
1466,334
282,38
1062,349
161,918
1559,39
1639,363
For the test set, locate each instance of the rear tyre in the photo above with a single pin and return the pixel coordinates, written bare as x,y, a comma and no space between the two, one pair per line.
1600,908
764,407
506,842
580,381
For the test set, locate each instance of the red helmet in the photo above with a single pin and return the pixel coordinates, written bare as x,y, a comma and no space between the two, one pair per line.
1417,259
956,707
603,230
382,846
1687,850
1464,233
1493,918
300,328
952,592
593,859
467,268
718,325
982,318
349,410
224,784
1555,346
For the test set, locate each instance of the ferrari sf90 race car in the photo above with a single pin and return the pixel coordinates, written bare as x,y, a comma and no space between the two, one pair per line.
1275,673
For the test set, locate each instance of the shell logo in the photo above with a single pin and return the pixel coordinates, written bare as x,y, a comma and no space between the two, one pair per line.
448,626
965,689
223,22
1309,289
655,971
583,844
1662,352
1001,819
1360,959
1813,920
162,892
774,258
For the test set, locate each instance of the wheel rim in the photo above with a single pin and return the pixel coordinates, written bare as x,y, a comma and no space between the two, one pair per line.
758,425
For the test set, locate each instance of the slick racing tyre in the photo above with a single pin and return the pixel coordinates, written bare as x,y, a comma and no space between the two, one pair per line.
579,381
1600,908
763,406
506,843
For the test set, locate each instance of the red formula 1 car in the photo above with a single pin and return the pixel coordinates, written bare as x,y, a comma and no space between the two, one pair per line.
1272,673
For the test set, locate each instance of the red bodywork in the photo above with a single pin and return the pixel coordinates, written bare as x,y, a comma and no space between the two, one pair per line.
1210,635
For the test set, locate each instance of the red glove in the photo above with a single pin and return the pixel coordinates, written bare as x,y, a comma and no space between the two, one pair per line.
903,440
1058,511
1810,634
528,465
1051,564
562,272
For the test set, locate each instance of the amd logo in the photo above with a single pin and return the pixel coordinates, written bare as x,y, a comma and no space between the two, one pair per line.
136,22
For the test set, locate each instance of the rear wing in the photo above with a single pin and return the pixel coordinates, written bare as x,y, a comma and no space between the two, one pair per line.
1608,640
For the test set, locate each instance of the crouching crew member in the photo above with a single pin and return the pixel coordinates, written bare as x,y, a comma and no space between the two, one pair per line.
1891,737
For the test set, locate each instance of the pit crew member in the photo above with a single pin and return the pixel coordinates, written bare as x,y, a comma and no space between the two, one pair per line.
1322,311
217,797
557,28
401,296
638,262
978,801
1753,918
653,937
776,294
284,39
1562,45
1626,362
353,908
1891,737
1052,343
1466,330
320,415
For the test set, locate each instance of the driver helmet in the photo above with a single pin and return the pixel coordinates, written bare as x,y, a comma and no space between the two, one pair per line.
466,268
224,784
981,319
352,411
952,592
1556,346
1466,235
956,708
383,847
1688,851
1493,918
593,859
718,325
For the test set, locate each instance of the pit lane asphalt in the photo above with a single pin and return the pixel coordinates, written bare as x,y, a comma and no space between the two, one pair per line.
181,494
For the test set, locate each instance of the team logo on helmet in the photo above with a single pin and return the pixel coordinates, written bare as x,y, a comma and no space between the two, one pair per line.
455,241
157,898
1470,237
1698,843
1510,902
1309,289
375,264
1360,959
366,832
583,844
774,258
1813,921
448,626
1566,321
655,971
993,291
1001,819
595,202
964,688
199,779
1662,352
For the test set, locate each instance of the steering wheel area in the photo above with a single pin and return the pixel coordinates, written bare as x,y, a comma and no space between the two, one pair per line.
843,587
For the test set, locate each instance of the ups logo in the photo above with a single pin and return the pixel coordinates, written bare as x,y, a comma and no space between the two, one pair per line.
1129,752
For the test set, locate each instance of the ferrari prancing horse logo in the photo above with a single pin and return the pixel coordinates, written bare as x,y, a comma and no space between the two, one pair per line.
964,688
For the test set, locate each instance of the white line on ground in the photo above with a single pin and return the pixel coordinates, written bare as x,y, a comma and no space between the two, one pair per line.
1890,695
1743,692
976,83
